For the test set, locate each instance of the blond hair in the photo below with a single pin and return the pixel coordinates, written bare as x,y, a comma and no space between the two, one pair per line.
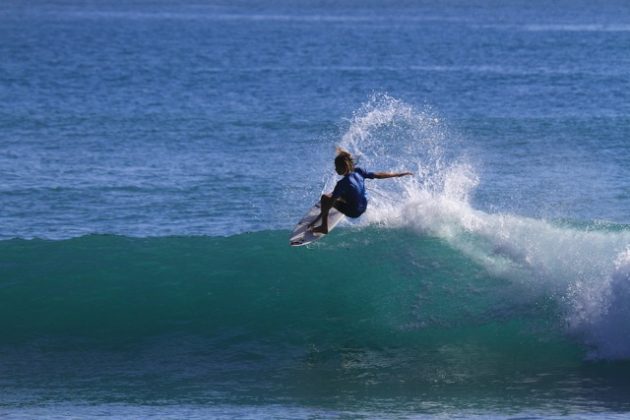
344,160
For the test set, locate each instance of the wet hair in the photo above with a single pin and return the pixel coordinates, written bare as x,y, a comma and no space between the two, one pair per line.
344,160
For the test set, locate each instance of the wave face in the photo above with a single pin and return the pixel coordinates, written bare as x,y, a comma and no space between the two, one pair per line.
378,287
373,312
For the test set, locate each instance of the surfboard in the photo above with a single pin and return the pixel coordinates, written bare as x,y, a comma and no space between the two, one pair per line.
302,235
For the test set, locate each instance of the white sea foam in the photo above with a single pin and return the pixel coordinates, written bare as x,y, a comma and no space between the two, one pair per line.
586,269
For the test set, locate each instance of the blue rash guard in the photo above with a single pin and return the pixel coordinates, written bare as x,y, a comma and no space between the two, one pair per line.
351,189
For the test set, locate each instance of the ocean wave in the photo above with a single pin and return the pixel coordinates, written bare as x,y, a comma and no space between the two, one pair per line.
379,286
424,268
376,310
582,268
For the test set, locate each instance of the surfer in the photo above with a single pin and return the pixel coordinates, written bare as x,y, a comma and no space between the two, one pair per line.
349,194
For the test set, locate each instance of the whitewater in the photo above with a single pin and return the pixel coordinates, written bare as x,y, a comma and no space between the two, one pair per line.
584,268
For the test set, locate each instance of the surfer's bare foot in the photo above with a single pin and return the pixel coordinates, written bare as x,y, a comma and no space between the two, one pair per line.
320,229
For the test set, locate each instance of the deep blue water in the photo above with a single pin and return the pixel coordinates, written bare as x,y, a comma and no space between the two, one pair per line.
154,156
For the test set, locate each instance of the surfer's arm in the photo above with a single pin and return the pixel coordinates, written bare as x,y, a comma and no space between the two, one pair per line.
384,175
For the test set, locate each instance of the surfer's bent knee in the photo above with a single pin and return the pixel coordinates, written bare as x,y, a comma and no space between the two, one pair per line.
327,200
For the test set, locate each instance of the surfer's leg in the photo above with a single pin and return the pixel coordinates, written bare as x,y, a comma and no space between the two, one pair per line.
317,219
341,205
327,202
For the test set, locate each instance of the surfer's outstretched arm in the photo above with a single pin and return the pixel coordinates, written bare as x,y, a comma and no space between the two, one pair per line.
384,175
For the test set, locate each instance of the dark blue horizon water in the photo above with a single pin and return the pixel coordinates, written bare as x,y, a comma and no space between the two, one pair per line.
151,118
155,154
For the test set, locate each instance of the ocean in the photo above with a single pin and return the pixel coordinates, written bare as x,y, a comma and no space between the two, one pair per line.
156,154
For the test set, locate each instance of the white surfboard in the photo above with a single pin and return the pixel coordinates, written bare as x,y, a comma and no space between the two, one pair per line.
302,235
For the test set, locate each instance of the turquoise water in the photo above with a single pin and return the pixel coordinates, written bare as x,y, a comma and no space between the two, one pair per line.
243,321
154,157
